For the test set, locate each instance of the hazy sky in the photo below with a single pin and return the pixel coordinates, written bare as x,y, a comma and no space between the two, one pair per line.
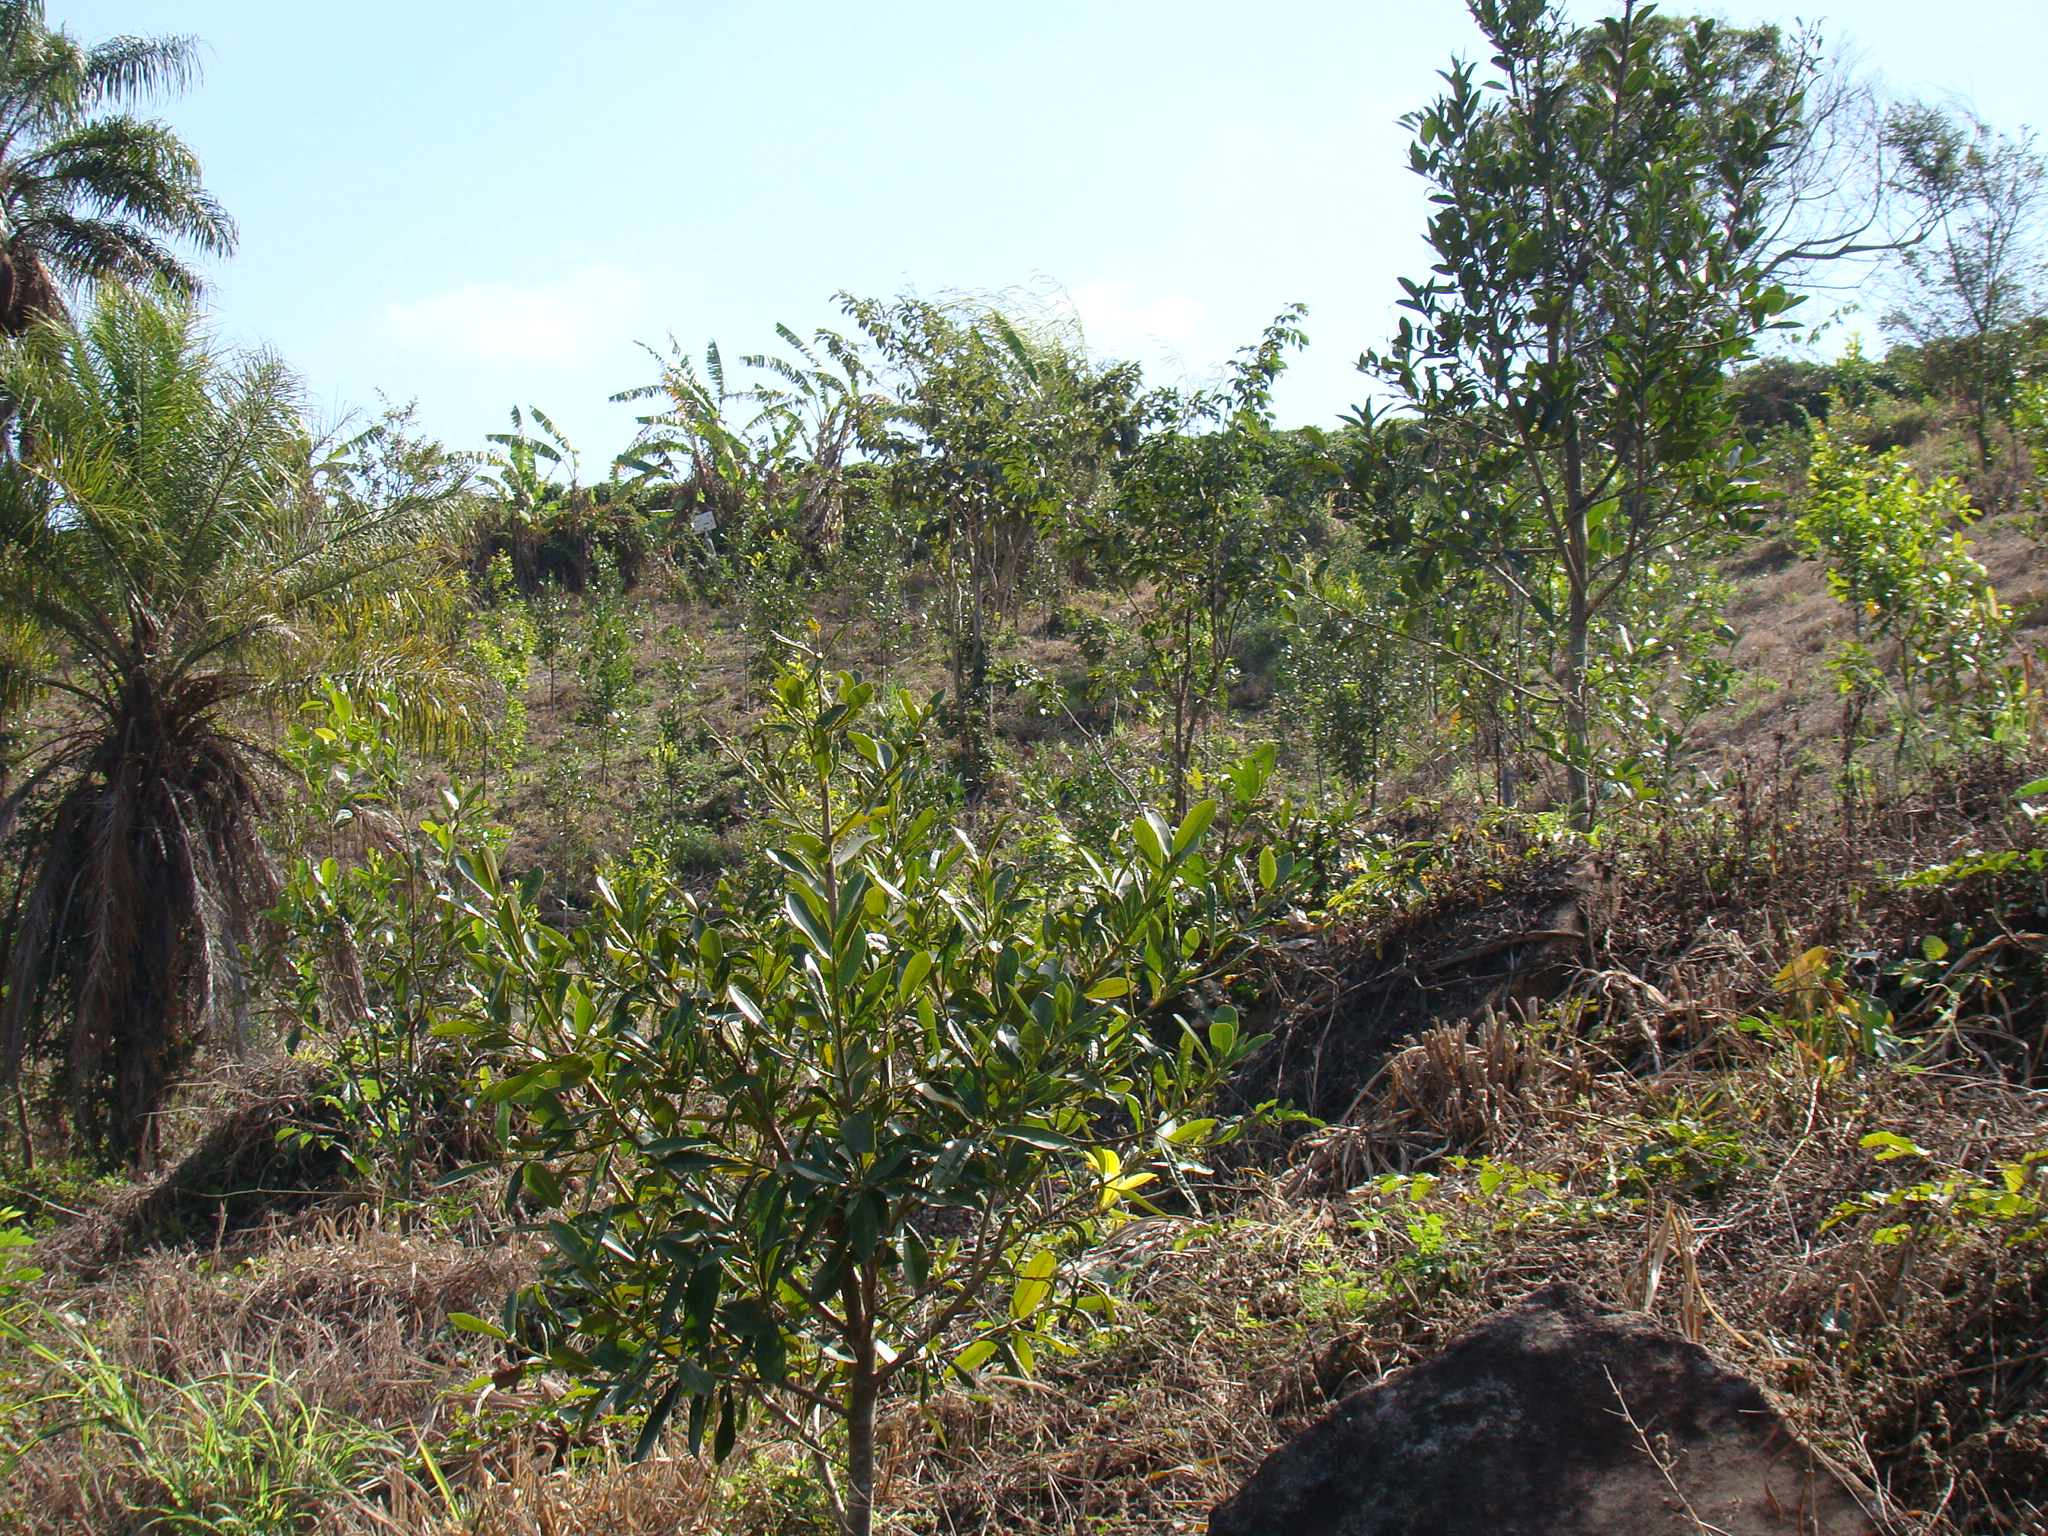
482,205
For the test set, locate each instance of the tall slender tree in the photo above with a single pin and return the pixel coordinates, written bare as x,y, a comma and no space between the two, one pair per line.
1601,221
1980,272
1192,531
999,424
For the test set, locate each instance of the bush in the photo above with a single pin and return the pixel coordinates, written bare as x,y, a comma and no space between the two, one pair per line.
798,1135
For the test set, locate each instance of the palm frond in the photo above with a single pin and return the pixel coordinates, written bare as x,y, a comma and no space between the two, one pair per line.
93,197
122,169
24,666
173,524
396,635
133,68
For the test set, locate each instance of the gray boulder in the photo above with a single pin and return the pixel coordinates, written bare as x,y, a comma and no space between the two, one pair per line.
1559,1416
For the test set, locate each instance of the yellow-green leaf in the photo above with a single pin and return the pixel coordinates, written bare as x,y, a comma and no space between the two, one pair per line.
1034,1284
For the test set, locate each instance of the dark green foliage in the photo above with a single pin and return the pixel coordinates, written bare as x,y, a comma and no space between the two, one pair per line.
998,433
1191,523
1602,254
556,535
796,1139
88,192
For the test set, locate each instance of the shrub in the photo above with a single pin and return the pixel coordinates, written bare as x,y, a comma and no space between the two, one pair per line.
796,1136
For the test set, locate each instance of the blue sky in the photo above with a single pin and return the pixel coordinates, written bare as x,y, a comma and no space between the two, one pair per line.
482,205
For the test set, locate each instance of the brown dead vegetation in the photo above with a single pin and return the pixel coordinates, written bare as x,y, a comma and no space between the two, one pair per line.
1576,1058
242,1168
1926,1378
1789,624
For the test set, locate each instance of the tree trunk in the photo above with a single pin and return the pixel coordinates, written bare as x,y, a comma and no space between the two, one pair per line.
1182,724
862,1391
1578,628
968,660
28,293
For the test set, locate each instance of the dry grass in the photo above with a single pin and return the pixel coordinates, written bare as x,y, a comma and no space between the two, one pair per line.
1924,1377
1919,1366
238,1171
1790,623
340,1316
1648,1133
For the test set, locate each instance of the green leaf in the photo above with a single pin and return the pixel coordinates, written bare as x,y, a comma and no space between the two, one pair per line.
1145,832
800,913
1269,870
2028,791
466,1171
915,968
1038,1136
771,1356
1109,987
467,1322
1193,825
1934,948
543,1184
857,1135
1034,1284
862,1231
974,1356
917,1260
657,1420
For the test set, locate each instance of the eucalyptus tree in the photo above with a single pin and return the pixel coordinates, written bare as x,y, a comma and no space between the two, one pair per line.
89,192
1602,227
1191,524
999,427
169,543
1980,271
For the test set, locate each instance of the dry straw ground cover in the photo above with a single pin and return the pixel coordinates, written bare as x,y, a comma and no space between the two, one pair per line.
1827,1169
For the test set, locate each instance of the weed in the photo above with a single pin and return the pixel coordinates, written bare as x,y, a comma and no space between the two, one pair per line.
234,1454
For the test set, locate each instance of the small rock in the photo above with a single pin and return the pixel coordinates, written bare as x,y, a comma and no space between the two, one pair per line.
1559,1416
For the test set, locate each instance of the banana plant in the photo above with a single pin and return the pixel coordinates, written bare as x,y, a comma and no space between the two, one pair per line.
522,474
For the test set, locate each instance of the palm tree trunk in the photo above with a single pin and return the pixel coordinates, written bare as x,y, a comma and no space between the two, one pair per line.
28,292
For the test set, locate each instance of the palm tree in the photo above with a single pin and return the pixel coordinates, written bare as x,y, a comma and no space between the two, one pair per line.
167,534
89,192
